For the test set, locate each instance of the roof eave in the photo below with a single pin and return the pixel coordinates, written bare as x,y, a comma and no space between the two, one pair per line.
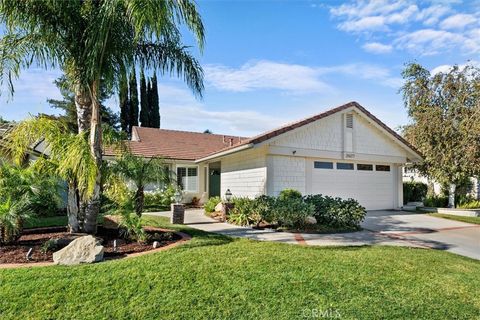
225,153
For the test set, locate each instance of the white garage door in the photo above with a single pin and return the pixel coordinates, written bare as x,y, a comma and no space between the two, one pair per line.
371,184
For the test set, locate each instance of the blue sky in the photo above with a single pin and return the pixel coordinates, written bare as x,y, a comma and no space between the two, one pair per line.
271,62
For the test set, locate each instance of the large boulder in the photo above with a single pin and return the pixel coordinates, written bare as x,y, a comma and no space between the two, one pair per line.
86,249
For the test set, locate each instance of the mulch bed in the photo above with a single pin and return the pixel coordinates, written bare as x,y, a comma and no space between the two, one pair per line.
36,238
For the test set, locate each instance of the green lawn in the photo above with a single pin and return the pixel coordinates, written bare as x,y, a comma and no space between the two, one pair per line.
41,222
218,277
474,220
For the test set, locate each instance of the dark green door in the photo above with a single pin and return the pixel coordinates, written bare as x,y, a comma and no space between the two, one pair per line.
214,183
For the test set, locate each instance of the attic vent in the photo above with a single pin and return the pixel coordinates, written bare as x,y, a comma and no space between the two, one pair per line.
349,120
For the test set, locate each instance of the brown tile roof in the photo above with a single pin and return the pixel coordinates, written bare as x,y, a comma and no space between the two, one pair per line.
174,144
185,145
297,124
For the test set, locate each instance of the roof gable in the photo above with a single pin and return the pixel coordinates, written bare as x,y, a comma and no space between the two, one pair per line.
301,123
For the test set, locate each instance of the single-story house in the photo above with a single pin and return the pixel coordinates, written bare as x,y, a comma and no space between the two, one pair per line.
345,152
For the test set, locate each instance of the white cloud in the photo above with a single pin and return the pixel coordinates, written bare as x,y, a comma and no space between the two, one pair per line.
400,23
444,68
376,47
292,78
361,16
265,75
376,23
458,21
178,104
431,15
429,41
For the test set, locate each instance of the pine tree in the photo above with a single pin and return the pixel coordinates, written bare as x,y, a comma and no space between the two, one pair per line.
144,112
154,107
124,103
133,115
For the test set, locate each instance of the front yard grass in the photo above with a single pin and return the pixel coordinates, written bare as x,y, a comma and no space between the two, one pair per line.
474,220
214,276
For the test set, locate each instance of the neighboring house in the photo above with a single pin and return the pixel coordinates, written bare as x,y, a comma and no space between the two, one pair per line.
410,174
345,152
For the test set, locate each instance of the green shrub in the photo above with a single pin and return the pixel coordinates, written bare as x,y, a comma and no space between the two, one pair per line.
468,202
292,212
436,201
160,198
475,204
414,191
289,194
336,212
263,210
131,228
211,203
242,211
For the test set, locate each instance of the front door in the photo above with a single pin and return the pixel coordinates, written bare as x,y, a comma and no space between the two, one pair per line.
214,183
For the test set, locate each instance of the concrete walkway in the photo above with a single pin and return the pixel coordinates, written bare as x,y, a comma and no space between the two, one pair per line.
380,227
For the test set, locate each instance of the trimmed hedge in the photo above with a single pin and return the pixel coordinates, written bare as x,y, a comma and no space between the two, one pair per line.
436,202
414,191
337,212
291,211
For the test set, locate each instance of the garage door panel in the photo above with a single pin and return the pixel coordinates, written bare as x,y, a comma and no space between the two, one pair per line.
373,189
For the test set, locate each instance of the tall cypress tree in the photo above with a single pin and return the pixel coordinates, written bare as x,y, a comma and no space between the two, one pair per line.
124,103
133,100
144,110
154,107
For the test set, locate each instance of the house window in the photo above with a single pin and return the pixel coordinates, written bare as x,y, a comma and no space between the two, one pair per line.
187,178
365,167
344,166
322,165
381,167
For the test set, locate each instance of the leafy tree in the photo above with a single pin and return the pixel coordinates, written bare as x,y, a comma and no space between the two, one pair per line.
67,104
445,116
140,172
90,41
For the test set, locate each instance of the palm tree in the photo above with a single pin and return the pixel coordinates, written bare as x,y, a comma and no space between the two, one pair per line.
68,158
140,172
12,216
91,41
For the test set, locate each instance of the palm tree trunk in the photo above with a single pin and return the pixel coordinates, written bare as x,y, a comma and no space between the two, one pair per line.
93,206
73,208
139,201
83,103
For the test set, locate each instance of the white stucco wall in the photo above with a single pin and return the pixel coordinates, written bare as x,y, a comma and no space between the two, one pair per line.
285,172
245,173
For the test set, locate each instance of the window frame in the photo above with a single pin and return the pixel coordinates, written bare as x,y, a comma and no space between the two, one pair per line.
197,177
383,165
324,162
365,164
352,168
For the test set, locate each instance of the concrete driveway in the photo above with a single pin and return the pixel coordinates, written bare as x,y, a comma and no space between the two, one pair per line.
426,231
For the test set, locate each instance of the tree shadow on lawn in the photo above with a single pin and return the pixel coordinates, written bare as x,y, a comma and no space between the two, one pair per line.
199,238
